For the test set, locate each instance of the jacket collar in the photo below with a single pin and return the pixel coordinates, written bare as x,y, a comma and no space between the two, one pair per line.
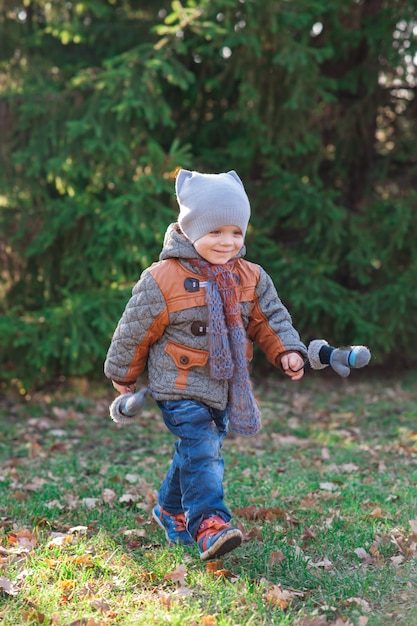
177,246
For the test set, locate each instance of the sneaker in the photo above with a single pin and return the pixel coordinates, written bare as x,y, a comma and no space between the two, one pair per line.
174,526
216,537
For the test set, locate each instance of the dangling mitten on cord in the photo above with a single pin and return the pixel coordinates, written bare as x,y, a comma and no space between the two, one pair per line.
126,408
341,360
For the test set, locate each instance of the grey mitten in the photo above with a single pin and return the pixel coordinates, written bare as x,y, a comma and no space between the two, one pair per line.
341,360
126,409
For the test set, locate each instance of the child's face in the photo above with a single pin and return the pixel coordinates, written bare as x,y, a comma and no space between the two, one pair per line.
220,245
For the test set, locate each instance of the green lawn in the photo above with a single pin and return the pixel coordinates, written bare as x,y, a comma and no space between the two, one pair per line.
325,496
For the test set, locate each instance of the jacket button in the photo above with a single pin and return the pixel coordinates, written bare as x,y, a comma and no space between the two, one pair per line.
184,360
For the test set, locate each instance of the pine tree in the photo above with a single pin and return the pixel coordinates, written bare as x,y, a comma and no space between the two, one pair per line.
313,103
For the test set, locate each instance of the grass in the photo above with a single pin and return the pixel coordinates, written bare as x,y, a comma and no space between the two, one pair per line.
325,496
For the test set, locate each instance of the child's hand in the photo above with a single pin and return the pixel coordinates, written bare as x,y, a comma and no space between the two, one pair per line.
123,388
293,365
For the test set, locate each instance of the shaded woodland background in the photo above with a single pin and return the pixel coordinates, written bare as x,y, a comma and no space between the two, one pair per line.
312,102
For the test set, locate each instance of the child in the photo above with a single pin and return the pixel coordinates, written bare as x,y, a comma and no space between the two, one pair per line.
192,319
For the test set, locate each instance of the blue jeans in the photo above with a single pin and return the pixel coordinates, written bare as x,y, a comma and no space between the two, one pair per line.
194,481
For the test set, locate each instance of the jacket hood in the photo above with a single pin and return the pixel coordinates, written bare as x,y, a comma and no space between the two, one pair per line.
177,246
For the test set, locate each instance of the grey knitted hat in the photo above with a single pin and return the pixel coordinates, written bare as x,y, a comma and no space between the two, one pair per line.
209,201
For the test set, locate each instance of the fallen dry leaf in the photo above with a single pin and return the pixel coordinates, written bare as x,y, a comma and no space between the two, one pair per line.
165,598
254,513
90,503
349,468
310,502
289,440
128,498
54,504
85,559
71,500
324,563
327,486
19,495
89,590
397,560
320,620
100,604
360,602
276,557
379,513
183,592
281,597
225,573
254,533
177,575
325,454
307,534
79,529
33,616
132,478
7,586
363,555
133,532
413,524
23,539
86,621
213,566
59,539
109,496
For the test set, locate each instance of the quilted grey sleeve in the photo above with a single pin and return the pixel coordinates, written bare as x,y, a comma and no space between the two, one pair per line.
142,322
278,316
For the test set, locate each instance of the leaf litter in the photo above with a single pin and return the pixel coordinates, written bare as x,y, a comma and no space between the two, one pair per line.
19,544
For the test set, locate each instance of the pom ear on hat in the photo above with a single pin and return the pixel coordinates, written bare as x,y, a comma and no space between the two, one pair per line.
209,201
181,178
235,176
184,174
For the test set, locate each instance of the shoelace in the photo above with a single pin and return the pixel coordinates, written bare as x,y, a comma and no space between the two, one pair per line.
180,523
178,520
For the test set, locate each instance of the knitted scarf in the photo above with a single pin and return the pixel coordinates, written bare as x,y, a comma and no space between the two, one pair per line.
227,346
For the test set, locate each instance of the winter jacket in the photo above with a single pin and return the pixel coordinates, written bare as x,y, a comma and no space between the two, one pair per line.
164,325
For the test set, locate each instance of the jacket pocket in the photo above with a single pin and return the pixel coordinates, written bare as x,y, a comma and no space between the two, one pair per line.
185,358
